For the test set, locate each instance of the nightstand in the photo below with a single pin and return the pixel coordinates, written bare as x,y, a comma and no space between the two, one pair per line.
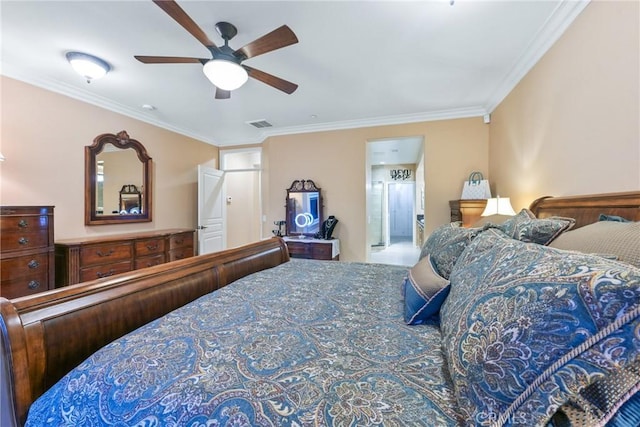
467,211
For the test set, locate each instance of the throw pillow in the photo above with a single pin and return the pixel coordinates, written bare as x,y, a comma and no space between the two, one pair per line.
617,218
445,245
424,292
621,239
527,228
526,328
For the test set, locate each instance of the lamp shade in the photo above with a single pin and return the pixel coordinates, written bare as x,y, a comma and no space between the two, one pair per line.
498,206
226,75
88,66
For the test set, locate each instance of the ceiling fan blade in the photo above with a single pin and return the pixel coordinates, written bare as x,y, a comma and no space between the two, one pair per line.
169,60
222,94
280,37
180,16
271,80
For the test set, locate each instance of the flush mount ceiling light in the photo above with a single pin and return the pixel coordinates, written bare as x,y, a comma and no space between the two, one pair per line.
88,66
226,75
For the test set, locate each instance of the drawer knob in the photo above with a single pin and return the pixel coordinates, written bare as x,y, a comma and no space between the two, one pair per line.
179,241
23,241
104,254
23,223
33,264
100,275
152,247
34,284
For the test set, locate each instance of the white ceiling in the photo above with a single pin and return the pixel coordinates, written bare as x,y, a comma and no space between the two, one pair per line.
358,63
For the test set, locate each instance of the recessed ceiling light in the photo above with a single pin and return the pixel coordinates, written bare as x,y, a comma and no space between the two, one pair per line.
313,116
148,107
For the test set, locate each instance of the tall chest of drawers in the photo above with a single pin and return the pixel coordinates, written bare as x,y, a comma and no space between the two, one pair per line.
80,260
26,250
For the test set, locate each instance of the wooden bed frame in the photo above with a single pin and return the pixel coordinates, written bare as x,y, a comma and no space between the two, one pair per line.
46,335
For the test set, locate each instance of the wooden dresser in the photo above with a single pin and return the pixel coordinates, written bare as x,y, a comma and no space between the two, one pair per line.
313,248
467,211
26,256
89,258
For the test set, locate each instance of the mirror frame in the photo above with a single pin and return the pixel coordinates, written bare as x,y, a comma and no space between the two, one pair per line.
302,186
122,141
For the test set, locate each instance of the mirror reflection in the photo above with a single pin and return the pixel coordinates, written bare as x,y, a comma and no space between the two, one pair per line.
115,170
304,208
305,212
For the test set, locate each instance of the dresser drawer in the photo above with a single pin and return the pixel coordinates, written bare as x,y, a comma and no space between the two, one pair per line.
181,253
181,240
299,250
322,251
24,275
25,224
107,253
13,268
17,240
106,270
149,261
149,247
28,284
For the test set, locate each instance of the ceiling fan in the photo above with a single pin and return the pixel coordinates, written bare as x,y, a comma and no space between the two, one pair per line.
225,69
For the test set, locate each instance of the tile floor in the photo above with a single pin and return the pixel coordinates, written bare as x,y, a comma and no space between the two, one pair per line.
401,253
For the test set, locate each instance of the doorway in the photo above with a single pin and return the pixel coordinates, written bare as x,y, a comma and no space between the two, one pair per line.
394,172
243,201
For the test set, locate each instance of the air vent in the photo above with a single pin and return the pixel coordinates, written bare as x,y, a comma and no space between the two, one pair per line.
260,124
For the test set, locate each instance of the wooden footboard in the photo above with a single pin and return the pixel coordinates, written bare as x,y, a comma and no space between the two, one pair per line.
46,335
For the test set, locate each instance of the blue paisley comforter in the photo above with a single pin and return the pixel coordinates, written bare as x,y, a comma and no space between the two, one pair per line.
307,343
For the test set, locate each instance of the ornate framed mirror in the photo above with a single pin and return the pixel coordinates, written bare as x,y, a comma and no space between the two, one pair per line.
117,181
303,208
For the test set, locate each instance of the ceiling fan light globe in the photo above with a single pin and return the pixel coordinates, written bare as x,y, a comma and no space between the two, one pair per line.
226,75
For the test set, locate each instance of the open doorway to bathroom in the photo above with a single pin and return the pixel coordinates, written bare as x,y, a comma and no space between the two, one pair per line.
395,177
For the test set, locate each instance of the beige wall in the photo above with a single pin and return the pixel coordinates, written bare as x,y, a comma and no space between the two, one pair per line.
572,125
336,162
43,135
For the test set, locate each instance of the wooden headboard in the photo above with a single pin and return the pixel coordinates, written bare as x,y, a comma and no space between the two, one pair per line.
586,209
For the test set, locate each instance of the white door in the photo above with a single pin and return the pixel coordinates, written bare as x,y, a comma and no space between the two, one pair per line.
211,211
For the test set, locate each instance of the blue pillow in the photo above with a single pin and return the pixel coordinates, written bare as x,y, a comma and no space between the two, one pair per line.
615,218
424,292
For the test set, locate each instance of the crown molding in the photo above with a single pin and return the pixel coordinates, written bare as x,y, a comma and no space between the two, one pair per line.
561,18
459,113
56,86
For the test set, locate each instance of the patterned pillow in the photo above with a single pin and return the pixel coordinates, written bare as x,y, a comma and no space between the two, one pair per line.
424,292
527,228
527,327
445,245
621,239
